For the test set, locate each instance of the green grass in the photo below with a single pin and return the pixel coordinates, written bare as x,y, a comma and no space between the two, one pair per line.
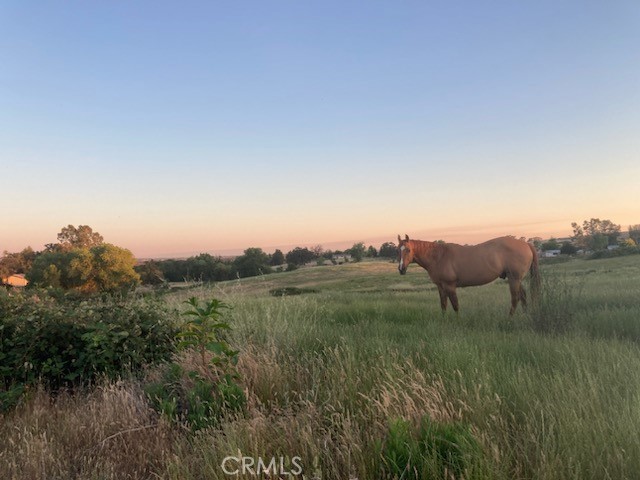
541,404
363,373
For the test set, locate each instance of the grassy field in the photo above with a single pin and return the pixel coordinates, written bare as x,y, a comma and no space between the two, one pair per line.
363,377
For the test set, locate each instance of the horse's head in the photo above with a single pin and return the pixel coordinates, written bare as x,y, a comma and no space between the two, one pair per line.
405,254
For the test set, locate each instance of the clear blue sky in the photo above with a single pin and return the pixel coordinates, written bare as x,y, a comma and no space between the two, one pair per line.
180,127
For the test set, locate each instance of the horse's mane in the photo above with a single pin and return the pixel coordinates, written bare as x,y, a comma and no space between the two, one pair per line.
428,250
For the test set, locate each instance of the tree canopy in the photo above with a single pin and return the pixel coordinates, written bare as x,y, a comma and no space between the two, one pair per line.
595,234
357,251
277,258
300,256
254,262
82,261
81,237
568,248
18,262
388,250
634,233
551,244
102,268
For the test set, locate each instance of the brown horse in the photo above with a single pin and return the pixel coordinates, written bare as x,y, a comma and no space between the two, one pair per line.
450,266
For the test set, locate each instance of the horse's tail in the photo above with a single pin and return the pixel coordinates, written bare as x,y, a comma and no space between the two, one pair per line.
535,275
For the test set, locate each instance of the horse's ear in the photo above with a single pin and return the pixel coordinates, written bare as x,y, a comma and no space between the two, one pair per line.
406,237
399,239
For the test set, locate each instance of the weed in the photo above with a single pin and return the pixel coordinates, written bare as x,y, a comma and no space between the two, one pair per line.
200,393
556,308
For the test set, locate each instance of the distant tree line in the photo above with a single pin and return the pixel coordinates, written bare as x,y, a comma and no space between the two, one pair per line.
254,261
595,236
82,261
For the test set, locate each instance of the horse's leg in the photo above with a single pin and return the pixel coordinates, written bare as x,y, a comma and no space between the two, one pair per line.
451,292
523,297
443,298
515,288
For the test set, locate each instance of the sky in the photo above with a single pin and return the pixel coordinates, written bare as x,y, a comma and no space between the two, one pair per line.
174,128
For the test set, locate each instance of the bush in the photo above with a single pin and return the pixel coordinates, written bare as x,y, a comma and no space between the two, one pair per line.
196,400
617,252
203,393
66,343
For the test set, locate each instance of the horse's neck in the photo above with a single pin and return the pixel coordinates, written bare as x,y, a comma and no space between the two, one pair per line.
427,253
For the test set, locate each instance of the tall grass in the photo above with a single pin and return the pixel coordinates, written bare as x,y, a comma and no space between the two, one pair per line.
366,379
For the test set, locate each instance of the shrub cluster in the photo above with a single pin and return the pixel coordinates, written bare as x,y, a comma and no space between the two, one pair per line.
618,252
65,342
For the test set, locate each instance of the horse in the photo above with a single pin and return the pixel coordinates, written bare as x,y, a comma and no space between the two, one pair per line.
451,266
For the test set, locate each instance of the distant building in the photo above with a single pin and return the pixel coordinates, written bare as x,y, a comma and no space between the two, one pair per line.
340,259
613,247
551,253
16,280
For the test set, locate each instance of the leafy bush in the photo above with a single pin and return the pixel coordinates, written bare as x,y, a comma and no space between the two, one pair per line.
193,399
202,393
64,343
434,450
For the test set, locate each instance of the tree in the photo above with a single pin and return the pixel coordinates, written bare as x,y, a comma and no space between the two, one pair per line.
388,250
150,273
372,252
173,270
81,237
102,268
551,244
590,234
634,233
357,251
535,241
254,262
597,242
52,268
18,262
201,267
568,248
4,271
300,256
112,269
277,258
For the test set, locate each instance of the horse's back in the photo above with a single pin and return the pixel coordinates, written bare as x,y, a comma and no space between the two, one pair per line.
483,263
516,255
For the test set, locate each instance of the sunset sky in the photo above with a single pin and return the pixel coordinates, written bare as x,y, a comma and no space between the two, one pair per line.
175,128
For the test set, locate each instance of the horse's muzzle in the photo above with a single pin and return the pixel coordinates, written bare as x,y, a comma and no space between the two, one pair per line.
402,270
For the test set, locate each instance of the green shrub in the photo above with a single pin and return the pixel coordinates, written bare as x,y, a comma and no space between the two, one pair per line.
194,399
617,252
65,343
203,393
